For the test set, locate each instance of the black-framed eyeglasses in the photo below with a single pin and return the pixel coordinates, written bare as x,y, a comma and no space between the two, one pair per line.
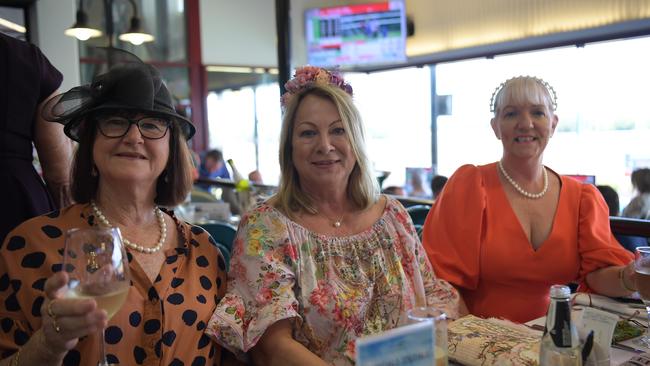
150,127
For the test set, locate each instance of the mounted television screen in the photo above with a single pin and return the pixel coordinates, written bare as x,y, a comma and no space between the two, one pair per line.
360,34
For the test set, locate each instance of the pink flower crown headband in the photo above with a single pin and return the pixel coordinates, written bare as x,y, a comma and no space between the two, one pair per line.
308,76
547,86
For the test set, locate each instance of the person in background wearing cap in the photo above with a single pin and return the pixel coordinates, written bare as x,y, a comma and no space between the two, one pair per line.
132,158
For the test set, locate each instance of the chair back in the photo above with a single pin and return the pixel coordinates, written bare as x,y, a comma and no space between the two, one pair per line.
221,232
630,233
418,215
223,235
225,253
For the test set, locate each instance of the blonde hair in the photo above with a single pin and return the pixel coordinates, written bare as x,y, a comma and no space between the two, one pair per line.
524,89
363,189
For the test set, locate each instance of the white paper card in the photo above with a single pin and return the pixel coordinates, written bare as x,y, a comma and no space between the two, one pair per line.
602,323
410,345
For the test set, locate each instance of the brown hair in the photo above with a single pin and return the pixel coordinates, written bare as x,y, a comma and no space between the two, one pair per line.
362,186
173,184
641,180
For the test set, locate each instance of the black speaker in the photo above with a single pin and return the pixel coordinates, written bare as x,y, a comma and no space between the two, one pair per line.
410,26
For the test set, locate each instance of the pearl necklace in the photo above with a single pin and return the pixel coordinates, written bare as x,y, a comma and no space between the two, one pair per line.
521,190
135,246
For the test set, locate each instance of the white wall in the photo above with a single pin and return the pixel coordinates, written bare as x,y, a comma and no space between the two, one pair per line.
238,32
53,17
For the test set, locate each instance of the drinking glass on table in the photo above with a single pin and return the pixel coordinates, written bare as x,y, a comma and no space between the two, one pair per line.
439,319
642,268
97,266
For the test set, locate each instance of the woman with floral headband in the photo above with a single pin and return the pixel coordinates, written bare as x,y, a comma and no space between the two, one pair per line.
327,259
503,233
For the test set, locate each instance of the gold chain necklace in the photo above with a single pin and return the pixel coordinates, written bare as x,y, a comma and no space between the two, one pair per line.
335,223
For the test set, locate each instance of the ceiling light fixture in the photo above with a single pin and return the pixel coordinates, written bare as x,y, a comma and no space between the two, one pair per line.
81,29
136,34
13,26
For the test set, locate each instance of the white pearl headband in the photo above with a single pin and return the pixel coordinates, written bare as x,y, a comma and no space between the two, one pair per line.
541,82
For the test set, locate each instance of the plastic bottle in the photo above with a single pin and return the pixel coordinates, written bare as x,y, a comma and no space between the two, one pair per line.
560,343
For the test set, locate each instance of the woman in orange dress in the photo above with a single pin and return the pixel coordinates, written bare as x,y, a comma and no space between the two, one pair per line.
503,233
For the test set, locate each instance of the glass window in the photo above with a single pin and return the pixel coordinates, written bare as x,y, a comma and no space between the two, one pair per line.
603,125
603,129
164,19
231,117
12,22
396,109
268,129
244,120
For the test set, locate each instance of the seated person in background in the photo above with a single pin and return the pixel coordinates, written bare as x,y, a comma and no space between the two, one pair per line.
511,229
394,190
132,158
327,259
628,242
255,177
213,166
437,184
611,199
639,207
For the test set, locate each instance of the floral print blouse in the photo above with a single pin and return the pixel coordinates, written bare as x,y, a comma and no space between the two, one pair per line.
336,289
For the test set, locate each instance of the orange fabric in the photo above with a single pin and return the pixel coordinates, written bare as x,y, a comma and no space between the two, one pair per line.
161,323
475,241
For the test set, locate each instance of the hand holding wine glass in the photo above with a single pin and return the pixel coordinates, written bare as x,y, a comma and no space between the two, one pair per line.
97,266
64,320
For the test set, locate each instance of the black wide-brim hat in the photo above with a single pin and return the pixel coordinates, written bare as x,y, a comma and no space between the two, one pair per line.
128,85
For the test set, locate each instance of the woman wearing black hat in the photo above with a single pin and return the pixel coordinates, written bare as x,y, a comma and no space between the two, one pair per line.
132,157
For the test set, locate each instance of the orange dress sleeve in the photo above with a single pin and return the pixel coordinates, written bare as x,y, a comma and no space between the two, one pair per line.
597,246
452,231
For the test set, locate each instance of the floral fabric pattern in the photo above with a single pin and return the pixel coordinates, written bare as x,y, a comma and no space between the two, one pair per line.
336,289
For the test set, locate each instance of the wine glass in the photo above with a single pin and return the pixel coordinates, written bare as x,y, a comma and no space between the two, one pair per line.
439,319
97,266
642,269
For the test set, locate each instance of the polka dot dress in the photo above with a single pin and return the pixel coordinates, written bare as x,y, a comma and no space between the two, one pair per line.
161,323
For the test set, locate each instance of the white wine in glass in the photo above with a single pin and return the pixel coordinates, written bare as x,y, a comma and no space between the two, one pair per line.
97,266
642,268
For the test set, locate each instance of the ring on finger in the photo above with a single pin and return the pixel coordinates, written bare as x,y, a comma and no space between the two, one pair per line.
49,310
53,316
